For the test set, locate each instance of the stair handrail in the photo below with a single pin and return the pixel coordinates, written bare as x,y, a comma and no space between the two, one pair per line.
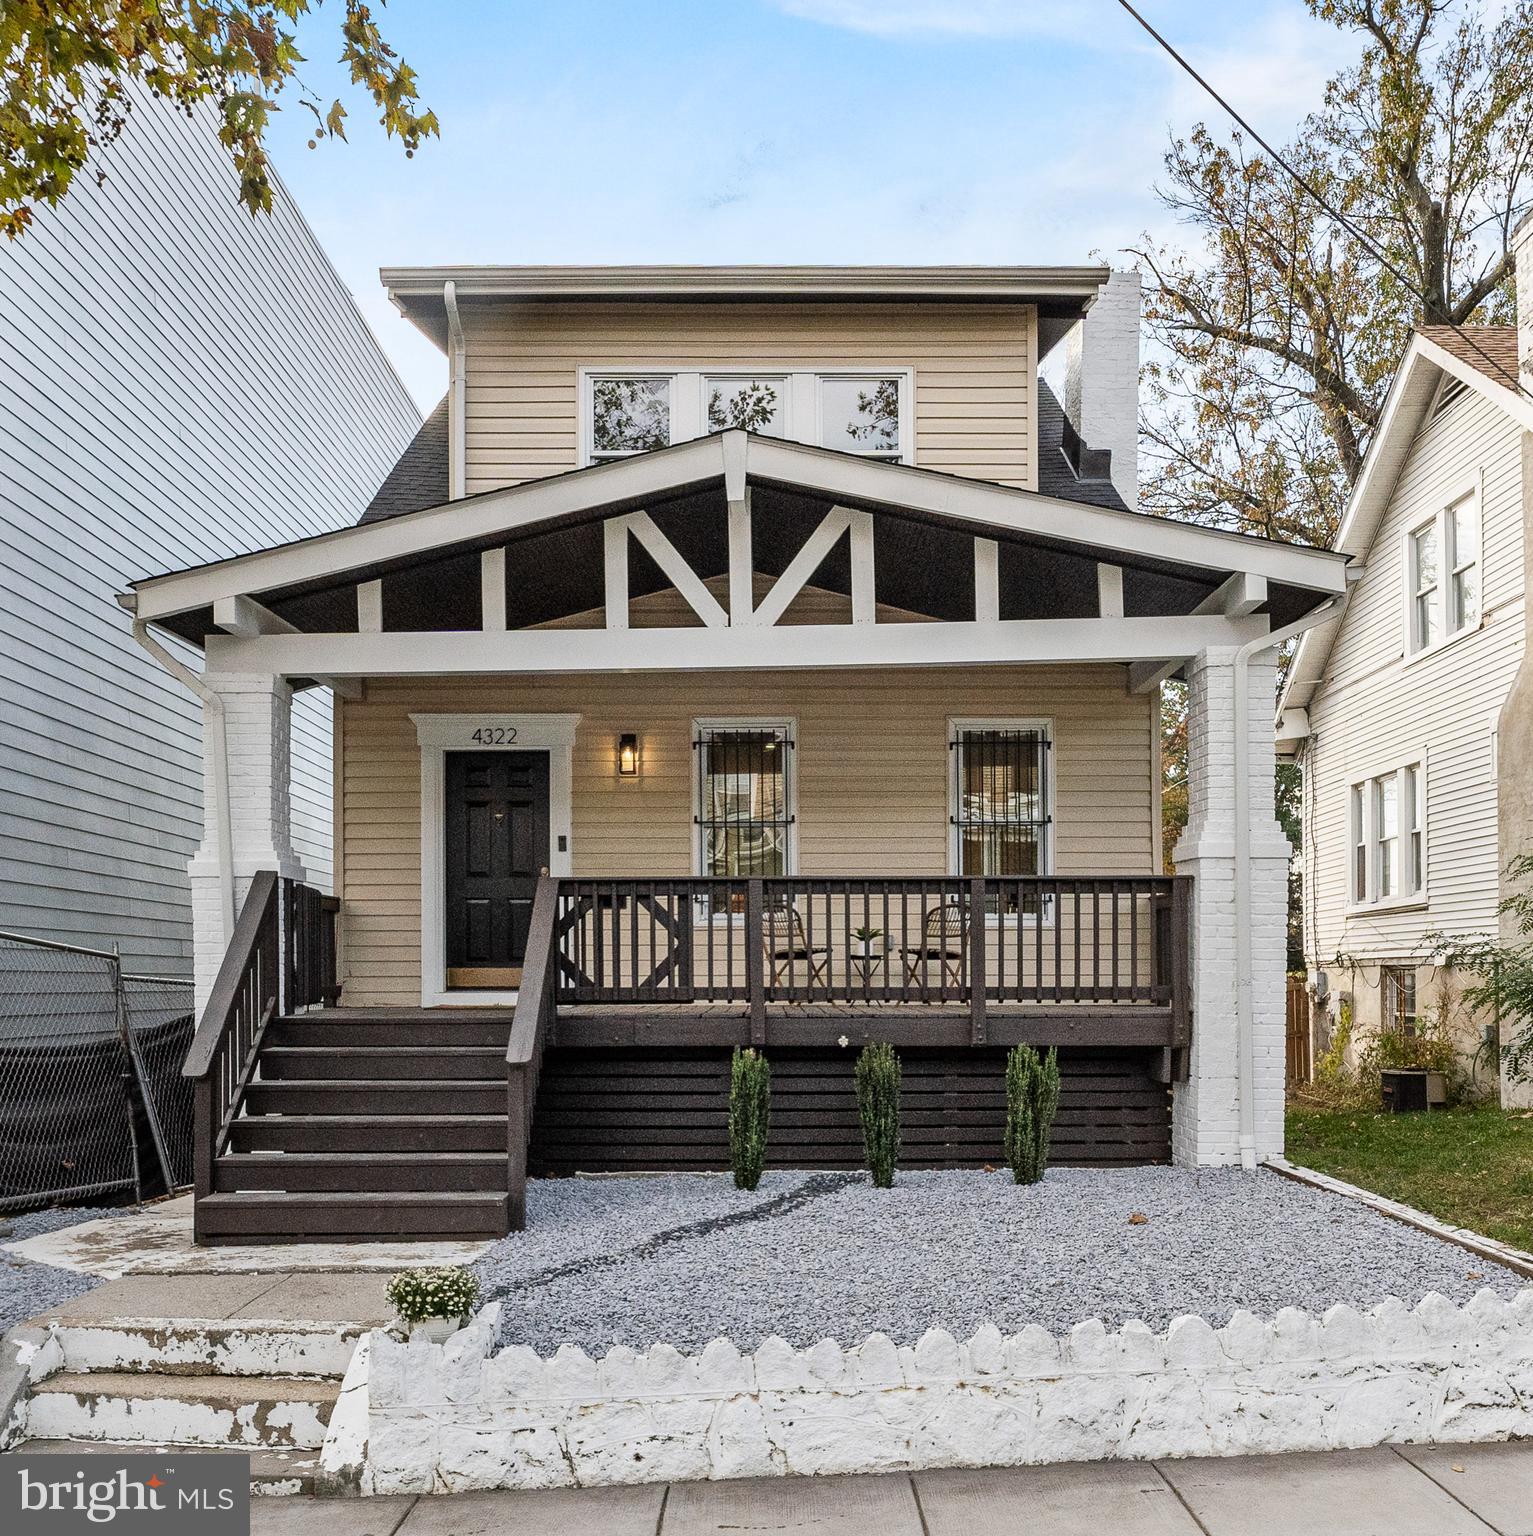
530,1025
258,913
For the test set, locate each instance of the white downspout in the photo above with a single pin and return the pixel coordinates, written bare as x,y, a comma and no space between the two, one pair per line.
1244,964
214,723
457,447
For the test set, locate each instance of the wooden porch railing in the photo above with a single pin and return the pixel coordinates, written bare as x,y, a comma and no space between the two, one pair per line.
530,1026
281,958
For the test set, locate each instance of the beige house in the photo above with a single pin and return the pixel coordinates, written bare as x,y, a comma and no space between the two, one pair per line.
1411,712
738,656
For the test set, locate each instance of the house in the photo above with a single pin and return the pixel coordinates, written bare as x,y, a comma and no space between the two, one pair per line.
739,656
1411,712
179,382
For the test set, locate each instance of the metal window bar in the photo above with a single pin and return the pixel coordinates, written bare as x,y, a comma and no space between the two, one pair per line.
1001,810
743,798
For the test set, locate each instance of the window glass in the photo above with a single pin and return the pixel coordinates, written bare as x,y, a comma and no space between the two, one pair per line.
861,415
629,416
755,405
1466,568
1002,801
1399,986
1359,847
1415,872
1386,814
743,800
1424,569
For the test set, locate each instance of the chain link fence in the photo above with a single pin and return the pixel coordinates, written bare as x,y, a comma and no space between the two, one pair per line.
92,1102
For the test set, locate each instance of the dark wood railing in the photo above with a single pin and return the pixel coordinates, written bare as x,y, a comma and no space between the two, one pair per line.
1083,942
530,1026
281,957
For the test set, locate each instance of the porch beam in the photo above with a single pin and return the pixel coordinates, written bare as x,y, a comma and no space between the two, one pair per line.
680,575
492,589
803,565
370,607
1242,594
247,619
987,580
452,653
615,571
1109,590
742,589
864,601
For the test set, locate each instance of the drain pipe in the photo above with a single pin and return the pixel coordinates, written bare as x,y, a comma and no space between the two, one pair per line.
457,447
214,723
1244,962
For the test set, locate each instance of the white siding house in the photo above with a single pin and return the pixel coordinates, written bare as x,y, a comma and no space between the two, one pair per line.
179,382
1398,710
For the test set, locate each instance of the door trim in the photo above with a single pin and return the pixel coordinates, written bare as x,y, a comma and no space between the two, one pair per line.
438,735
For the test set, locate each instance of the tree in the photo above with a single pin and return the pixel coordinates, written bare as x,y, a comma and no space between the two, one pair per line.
69,63
1274,341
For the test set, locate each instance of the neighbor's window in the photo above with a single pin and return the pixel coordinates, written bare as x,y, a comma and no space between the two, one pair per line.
861,415
744,816
629,415
1399,986
1001,799
1443,572
1387,815
751,404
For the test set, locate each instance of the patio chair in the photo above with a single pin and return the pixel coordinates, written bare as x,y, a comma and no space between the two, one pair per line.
783,942
945,941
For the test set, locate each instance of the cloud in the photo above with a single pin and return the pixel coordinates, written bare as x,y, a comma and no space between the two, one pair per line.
958,18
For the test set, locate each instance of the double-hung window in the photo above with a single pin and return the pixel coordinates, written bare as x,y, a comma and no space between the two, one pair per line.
1442,573
1001,796
744,797
1399,987
1387,838
865,412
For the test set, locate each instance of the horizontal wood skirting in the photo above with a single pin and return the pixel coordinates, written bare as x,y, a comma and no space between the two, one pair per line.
598,1026
629,1110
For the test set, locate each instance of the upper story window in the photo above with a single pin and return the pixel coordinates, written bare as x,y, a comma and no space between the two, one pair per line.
1442,558
858,412
1388,837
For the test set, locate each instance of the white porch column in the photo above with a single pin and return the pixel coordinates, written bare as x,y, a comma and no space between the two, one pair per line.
257,728
1206,1122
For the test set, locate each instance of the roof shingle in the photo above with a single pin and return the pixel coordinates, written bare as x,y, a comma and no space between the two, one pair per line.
1492,349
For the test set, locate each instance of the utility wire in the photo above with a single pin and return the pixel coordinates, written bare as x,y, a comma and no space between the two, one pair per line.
1466,332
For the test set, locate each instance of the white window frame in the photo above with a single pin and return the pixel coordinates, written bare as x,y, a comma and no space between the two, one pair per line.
1448,565
788,725
1411,820
1044,725
802,406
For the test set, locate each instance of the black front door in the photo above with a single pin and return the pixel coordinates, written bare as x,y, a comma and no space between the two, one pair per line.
497,845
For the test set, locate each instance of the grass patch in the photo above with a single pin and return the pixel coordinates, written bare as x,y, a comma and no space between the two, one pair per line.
1471,1167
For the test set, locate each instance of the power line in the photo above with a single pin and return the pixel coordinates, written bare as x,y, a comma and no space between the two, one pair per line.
1466,332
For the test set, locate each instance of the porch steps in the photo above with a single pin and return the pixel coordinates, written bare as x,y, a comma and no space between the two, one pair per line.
366,1127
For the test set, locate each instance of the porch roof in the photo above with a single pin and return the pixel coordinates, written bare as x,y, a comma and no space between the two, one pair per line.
1051,544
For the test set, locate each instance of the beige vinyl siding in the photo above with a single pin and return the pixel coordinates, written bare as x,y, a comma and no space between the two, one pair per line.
1380,709
872,761
973,367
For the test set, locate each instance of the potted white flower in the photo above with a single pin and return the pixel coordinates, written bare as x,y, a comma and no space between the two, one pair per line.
433,1303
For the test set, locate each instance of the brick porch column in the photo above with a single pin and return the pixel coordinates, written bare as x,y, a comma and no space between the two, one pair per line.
1206,1108
257,712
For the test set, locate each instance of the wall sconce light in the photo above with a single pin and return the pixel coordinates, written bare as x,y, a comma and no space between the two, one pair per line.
628,755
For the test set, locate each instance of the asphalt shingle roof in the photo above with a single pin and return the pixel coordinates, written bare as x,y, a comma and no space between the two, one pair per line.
1490,348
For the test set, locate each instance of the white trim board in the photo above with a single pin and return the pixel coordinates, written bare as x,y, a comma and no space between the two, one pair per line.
439,734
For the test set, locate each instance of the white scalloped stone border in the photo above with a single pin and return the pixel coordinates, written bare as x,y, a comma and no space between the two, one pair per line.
452,1417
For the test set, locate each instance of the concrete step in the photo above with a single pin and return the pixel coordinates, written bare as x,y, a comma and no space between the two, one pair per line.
271,1472
351,1063
127,1407
370,1133
376,1096
260,1216
296,1172
316,1350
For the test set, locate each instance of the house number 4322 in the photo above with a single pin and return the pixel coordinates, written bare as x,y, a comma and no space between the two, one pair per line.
494,735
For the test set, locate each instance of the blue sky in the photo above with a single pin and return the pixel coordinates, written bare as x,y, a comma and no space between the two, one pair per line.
776,130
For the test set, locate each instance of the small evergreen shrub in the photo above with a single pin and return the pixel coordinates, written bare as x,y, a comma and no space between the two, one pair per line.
1032,1096
878,1107
417,1294
750,1109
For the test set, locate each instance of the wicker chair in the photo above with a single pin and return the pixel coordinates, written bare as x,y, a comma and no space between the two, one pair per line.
784,942
945,941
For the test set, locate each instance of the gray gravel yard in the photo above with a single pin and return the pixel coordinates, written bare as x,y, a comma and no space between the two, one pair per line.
685,1258
27,1289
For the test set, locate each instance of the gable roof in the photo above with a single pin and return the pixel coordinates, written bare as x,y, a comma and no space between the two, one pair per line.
419,479
1484,358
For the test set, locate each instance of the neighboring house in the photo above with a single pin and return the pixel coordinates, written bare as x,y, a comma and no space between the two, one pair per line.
1411,714
740,655
178,382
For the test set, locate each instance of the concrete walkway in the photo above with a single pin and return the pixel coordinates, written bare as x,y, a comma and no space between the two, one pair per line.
1469,1490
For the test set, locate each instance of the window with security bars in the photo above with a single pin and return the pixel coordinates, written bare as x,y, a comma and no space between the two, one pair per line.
744,798
1001,802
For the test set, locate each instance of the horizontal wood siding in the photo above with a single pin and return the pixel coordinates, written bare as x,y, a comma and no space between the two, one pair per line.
179,382
615,1111
1379,709
871,760
974,366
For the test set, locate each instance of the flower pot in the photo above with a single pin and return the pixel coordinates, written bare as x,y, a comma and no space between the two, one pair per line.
436,1330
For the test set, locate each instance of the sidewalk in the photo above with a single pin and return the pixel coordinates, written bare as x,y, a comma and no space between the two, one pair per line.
1470,1490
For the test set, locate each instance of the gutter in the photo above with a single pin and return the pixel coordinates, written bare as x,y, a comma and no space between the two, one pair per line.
1244,963
457,454
215,724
